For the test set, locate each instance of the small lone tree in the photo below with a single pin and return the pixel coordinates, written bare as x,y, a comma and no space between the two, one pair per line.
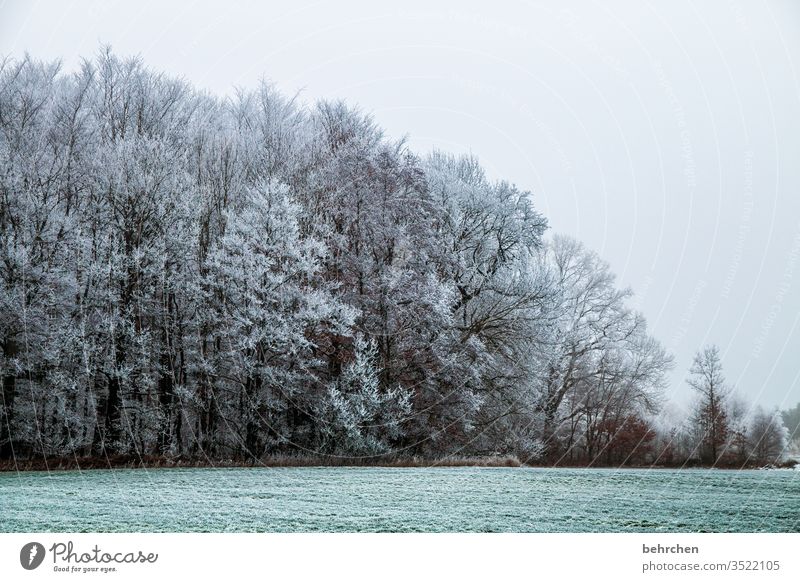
710,419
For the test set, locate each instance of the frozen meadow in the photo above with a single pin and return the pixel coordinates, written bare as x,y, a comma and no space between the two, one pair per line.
400,500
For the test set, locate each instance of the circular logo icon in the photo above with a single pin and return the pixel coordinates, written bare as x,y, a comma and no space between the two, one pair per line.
31,555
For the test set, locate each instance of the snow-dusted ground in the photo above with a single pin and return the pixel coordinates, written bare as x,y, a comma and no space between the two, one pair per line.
380,499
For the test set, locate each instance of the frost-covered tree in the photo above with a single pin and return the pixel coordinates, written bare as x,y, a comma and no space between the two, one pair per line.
358,417
268,305
187,276
598,347
791,419
768,437
40,130
489,237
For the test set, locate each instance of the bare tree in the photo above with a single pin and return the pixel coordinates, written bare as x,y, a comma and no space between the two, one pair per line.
710,418
598,346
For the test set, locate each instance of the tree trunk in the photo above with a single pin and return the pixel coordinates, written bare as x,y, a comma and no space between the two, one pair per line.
9,392
166,400
112,415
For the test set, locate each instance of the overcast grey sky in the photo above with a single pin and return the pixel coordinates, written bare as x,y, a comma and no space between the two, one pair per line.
665,135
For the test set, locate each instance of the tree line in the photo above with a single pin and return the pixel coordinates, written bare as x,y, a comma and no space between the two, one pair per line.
184,276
